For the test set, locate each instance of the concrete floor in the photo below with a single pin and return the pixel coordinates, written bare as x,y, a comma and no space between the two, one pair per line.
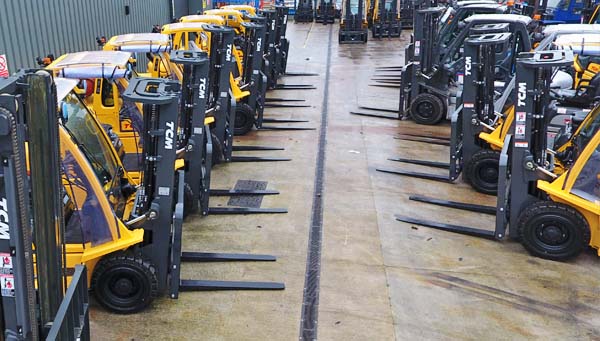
380,279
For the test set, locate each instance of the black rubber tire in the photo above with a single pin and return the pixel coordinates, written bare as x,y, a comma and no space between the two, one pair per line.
244,119
482,171
189,204
132,274
540,223
217,149
427,109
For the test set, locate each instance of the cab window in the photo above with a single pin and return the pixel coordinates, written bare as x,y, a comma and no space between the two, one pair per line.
108,99
587,183
85,219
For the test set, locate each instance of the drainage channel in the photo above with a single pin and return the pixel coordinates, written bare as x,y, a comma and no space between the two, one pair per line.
310,301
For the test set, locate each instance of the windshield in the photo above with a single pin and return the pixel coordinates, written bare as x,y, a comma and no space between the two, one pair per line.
90,138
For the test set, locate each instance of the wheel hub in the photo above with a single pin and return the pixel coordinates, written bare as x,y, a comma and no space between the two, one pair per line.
425,109
489,173
123,287
552,235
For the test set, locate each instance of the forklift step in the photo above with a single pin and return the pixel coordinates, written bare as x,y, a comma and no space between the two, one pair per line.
470,231
491,210
424,140
284,120
198,285
300,74
258,159
374,115
277,105
238,192
245,210
426,176
251,148
285,128
284,100
379,109
422,162
224,257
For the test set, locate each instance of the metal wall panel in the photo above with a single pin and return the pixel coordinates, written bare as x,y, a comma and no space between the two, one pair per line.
32,28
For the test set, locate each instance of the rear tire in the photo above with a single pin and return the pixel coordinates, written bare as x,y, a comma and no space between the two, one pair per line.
244,119
482,171
553,230
124,283
427,109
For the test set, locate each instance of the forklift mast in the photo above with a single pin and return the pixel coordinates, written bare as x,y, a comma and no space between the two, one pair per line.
198,144
253,75
219,92
525,158
34,309
304,11
155,200
353,26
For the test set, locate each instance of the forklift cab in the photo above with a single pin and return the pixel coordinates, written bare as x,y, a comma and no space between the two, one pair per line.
353,23
152,46
98,192
232,18
245,9
104,76
451,21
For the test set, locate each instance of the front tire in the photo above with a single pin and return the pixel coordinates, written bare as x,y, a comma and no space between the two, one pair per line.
553,230
244,119
481,172
124,284
217,150
427,109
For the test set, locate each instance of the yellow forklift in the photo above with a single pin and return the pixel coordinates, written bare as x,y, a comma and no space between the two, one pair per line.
127,234
553,212
36,302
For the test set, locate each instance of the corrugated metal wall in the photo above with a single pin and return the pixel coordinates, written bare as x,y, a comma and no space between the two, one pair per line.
32,28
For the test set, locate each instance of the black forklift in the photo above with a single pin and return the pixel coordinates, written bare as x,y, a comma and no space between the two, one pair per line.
425,83
547,197
304,11
479,109
386,19
353,26
325,12
36,301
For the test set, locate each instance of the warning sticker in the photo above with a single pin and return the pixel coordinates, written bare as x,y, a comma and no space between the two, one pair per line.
3,66
468,105
6,268
7,285
521,115
521,144
520,130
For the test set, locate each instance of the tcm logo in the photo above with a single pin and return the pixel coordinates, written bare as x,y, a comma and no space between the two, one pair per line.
259,45
228,53
4,228
202,88
468,66
169,135
521,94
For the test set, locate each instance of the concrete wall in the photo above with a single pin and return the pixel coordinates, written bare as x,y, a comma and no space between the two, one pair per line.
32,28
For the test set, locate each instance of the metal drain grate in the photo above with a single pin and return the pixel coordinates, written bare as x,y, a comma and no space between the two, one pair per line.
253,201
